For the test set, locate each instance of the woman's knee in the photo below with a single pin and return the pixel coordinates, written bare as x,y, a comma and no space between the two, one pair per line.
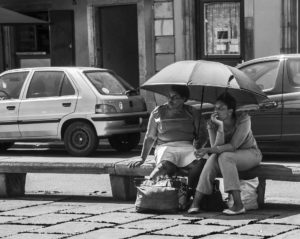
225,157
169,167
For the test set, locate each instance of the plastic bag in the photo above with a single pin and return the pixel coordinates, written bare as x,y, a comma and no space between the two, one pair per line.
248,194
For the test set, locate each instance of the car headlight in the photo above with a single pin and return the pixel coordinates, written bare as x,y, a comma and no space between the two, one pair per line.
104,109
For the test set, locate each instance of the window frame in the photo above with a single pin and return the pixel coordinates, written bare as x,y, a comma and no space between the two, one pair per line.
200,32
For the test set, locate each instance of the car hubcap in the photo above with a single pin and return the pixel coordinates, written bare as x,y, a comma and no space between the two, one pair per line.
80,139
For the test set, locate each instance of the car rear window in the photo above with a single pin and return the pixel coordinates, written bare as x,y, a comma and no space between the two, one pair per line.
293,70
263,73
107,83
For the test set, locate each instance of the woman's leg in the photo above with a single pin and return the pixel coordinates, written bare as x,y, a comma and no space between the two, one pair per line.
232,162
206,179
163,168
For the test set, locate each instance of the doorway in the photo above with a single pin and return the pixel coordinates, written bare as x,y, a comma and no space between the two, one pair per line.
118,41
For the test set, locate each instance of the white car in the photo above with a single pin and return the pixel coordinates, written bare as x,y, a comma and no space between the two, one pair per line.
78,105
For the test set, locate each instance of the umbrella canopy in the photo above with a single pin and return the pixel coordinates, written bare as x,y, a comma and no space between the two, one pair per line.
8,17
206,80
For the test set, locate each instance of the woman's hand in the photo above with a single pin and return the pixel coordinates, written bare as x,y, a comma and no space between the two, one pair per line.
135,163
215,120
199,153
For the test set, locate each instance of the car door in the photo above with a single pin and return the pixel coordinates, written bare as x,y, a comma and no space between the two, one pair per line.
291,99
10,88
267,121
50,96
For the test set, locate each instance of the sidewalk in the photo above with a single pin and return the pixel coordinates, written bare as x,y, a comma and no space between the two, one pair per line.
54,217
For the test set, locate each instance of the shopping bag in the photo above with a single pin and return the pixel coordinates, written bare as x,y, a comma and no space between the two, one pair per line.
213,202
248,194
166,195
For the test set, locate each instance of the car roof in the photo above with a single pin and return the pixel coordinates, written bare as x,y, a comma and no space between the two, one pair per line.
268,58
67,68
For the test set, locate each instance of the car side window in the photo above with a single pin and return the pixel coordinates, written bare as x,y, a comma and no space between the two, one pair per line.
49,84
293,71
263,73
11,85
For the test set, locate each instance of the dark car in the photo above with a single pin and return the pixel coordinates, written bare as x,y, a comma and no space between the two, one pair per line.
276,125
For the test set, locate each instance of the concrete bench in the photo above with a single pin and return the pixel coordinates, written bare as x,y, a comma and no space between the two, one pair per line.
123,177
13,173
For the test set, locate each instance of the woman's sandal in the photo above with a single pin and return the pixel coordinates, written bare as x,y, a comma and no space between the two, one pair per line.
231,212
193,210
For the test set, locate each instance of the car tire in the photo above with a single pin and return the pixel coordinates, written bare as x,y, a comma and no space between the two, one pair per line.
6,145
80,139
124,142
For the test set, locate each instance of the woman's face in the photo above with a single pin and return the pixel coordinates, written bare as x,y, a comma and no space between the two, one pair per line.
222,110
175,100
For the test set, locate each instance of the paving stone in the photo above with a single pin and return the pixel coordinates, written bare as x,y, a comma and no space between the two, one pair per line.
5,219
186,217
35,236
233,221
262,229
226,236
192,230
295,234
73,227
35,210
111,233
7,229
152,224
160,237
293,219
98,208
49,219
7,205
116,217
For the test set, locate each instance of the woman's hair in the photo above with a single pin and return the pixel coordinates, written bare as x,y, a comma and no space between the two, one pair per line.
181,90
228,100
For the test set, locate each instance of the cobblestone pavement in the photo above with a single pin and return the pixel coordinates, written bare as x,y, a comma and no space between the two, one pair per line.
45,217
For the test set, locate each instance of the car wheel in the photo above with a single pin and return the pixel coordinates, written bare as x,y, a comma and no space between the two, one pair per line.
80,139
124,142
6,145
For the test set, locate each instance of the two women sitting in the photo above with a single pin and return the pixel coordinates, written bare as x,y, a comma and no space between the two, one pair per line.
174,126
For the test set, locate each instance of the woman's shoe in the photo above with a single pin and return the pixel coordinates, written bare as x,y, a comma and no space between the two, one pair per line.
231,212
193,210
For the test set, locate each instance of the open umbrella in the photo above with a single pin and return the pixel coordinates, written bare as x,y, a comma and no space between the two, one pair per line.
206,80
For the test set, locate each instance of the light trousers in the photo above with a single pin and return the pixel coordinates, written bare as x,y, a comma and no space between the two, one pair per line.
228,163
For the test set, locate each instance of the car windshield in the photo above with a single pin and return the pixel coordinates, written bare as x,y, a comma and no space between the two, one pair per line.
108,83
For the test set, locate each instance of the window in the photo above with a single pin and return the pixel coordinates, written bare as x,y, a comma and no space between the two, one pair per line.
49,84
264,74
293,71
107,83
222,28
31,38
11,85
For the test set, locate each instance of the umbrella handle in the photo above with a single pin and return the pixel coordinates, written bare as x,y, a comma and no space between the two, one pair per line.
229,80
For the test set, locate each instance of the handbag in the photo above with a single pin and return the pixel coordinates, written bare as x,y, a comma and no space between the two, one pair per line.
163,196
213,202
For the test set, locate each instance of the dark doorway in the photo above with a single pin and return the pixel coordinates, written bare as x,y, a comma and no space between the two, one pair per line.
220,31
62,37
119,41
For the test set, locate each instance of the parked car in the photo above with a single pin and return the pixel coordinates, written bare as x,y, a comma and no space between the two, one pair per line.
78,105
276,125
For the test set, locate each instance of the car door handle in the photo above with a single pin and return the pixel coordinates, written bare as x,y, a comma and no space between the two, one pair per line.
10,107
268,105
66,104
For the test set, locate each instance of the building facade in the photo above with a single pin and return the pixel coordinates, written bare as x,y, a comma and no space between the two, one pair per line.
137,38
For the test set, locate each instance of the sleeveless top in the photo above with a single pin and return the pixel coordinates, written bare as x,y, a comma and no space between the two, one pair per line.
166,127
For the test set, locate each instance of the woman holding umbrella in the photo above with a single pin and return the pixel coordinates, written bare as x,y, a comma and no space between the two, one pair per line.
233,148
172,128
